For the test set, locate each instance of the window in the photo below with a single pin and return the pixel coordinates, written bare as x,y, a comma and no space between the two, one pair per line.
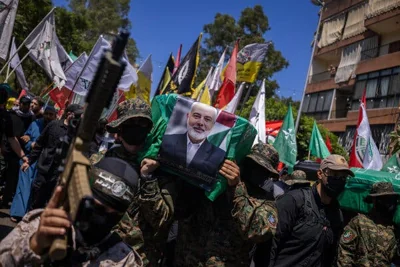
394,47
318,104
382,89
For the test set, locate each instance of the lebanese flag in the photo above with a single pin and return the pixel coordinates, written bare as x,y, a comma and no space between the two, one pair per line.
227,90
364,152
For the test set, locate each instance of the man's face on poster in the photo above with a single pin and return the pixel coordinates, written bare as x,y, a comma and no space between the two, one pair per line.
201,120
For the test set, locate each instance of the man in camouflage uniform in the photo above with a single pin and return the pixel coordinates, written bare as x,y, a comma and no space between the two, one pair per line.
253,210
370,240
146,225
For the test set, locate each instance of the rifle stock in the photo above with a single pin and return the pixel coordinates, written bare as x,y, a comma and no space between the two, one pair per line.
74,178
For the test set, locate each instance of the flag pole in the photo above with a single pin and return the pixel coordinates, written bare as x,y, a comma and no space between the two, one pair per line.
309,69
309,154
22,44
19,64
246,97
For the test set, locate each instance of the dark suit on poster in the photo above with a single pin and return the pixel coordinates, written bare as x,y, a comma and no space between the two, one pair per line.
207,159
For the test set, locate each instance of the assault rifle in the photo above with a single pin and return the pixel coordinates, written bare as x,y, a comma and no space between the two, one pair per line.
77,197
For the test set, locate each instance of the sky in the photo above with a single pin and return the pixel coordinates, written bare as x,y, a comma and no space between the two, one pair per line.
159,27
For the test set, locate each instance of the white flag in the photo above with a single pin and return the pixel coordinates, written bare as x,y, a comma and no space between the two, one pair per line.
129,76
216,81
65,59
42,44
232,106
372,158
8,10
15,64
257,115
72,74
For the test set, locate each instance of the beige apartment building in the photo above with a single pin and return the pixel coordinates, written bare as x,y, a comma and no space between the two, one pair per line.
358,47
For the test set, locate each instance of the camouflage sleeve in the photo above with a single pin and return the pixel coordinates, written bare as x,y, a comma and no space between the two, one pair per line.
257,218
95,158
156,203
348,244
15,248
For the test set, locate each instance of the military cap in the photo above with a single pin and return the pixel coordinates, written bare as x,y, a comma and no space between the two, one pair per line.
74,108
297,177
336,163
381,189
128,109
266,156
114,183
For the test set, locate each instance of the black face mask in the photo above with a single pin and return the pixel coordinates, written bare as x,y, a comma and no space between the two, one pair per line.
134,134
386,207
100,225
334,186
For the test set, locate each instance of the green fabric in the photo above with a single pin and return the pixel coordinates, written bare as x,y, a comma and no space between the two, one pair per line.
239,140
72,56
285,142
358,187
392,165
317,144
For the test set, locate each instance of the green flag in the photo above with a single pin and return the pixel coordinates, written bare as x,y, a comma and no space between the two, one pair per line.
392,165
317,144
285,142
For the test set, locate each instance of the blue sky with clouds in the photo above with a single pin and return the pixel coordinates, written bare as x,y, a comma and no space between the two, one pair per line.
159,27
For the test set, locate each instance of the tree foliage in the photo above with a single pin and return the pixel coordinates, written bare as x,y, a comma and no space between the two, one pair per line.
78,29
276,109
251,27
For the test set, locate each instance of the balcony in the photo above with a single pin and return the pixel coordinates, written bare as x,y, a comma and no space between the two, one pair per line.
335,7
383,16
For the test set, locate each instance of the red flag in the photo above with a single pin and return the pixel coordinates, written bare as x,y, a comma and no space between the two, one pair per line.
61,97
178,59
227,90
355,160
328,143
114,114
22,93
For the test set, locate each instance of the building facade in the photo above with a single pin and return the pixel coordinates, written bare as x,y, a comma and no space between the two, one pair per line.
358,47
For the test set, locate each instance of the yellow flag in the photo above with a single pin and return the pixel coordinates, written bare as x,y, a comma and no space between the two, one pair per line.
249,61
198,90
143,87
205,97
166,80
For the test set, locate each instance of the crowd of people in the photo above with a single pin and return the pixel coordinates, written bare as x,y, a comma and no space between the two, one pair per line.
144,216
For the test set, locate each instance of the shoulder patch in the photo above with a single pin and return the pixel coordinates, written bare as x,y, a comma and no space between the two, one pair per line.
272,221
348,236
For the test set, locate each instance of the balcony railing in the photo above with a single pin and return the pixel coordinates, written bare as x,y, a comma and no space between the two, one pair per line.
323,76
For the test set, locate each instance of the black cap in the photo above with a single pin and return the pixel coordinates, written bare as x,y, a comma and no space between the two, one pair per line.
50,108
114,182
25,100
75,108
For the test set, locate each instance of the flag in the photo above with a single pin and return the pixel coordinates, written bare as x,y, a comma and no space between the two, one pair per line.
178,60
205,97
257,115
114,104
72,74
8,11
271,130
72,56
15,64
129,76
65,59
42,45
328,143
166,76
142,88
285,142
249,61
219,135
216,81
198,92
392,165
232,106
227,91
183,78
61,96
364,152
317,145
